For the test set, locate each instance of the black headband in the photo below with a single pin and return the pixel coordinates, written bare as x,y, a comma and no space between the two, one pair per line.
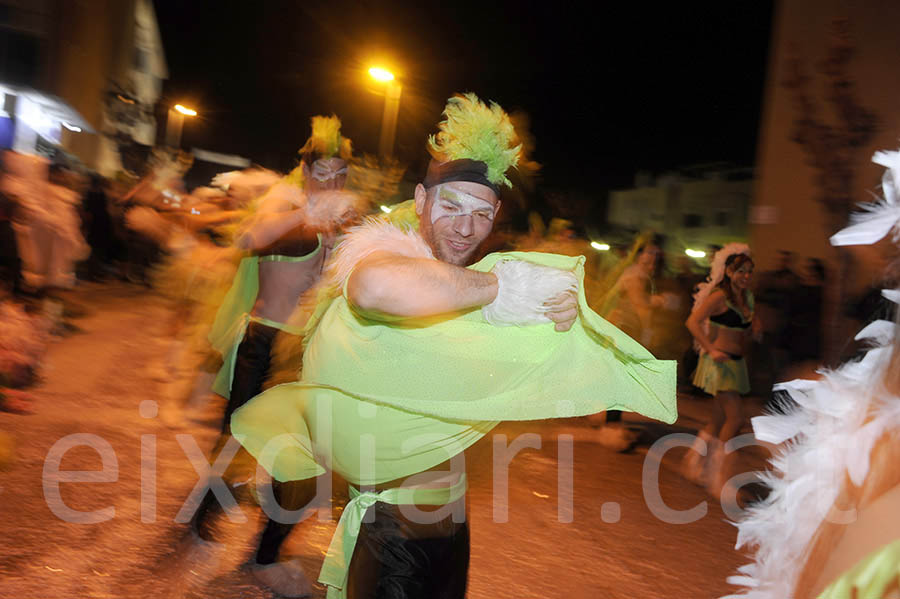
464,169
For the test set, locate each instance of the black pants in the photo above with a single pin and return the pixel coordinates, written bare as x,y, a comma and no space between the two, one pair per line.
250,371
251,367
395,558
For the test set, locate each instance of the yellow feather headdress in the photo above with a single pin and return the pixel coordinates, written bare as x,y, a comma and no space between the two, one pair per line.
326,139
475,131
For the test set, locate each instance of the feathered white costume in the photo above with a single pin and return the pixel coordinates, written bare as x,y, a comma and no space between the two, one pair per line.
834,441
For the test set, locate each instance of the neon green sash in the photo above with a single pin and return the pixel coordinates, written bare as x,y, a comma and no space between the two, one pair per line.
225,377
337,560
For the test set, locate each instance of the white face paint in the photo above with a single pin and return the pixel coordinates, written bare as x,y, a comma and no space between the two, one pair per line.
327,169
453,203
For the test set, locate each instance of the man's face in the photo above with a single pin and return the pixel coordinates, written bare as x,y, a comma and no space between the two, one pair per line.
455,218
325,174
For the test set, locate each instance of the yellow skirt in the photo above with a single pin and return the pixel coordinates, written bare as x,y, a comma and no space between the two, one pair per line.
730,375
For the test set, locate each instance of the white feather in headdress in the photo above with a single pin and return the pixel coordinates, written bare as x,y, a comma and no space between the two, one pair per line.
717,271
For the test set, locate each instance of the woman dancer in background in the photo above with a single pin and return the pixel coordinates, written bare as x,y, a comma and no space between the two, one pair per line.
721,322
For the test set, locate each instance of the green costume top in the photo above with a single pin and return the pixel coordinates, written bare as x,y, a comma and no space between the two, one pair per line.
431,389
234,314
383,400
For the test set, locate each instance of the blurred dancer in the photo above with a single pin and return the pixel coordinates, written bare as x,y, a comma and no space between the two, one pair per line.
47,225
829,528
417,353
290,235
722,322
146,237
629,305
190,268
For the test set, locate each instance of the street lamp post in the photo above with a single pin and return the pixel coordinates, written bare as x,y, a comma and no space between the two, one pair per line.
391,108
175,123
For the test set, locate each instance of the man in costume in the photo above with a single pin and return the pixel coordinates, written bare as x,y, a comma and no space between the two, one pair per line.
629,305
416,353
829,528
290,235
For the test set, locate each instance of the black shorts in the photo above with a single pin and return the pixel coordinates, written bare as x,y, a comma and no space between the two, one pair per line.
395,558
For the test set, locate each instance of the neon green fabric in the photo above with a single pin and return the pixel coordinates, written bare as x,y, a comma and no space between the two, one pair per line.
233,315
380,401
871,578
238,301
336,565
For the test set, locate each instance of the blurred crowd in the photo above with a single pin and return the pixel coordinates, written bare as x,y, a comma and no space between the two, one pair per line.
59,226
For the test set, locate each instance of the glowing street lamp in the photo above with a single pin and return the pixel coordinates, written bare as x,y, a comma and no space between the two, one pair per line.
379,74
185,111
391,109
175,122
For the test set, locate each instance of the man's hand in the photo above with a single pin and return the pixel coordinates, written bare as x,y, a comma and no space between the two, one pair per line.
529,293
563,310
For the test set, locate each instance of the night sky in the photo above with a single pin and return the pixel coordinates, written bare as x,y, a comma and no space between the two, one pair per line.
608,90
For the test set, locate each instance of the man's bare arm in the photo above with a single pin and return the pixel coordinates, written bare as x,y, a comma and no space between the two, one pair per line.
262,230
195,222
400,286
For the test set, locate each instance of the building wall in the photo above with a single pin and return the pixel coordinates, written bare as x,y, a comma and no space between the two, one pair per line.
785,213
91,40
88,52
691,213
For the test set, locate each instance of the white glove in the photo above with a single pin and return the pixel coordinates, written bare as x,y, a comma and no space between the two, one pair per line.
522,290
